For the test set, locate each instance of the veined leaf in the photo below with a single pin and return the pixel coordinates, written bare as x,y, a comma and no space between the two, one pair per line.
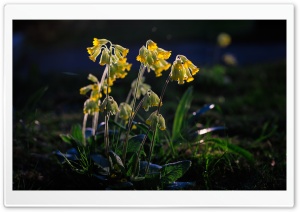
135,142
116,162
181,113
152,168
173,171
76,133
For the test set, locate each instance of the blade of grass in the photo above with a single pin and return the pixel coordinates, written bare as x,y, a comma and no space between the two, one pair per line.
181,112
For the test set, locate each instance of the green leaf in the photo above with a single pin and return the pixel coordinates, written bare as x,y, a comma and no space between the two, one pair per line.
135,142
152,168
232,148
76,133
181,113
173,171
116,162
66,138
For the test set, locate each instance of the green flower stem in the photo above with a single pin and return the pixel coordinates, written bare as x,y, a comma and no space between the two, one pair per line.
140,149
106,132
84,127
129,129
162,93
151,150
158,109
95,123
129,95
141,72
106,135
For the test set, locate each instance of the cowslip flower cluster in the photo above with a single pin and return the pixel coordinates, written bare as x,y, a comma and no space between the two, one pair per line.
114,57
154,58
91,105
183,70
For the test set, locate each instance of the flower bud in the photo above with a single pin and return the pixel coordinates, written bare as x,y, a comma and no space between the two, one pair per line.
125,111
85,89
105,57
156,120
110,105
151,100
92,78
90,107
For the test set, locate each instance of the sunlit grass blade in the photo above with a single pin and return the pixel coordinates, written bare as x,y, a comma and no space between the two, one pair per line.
181,113
232,148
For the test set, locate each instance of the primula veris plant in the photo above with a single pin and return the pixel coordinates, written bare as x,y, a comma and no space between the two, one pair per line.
118,153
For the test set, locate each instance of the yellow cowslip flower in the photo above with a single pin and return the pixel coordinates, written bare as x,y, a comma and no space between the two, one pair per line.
151,45
120,51
125,111
163,54
154,120
188,64
90,107
95,96
105,57
118,70
104,88
183,69
85,89
224,40
94,53
151,100
160,66
142,55
110,81
177,72
110,105
99,42
96,49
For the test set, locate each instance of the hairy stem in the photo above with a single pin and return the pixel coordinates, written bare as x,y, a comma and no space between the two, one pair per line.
154,132
141,72
140,149
84,127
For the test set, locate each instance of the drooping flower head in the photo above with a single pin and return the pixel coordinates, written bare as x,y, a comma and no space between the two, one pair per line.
118,70
125,111
94,88
183,70
154,58
109,55
156,120
151,100
90,107
110,105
